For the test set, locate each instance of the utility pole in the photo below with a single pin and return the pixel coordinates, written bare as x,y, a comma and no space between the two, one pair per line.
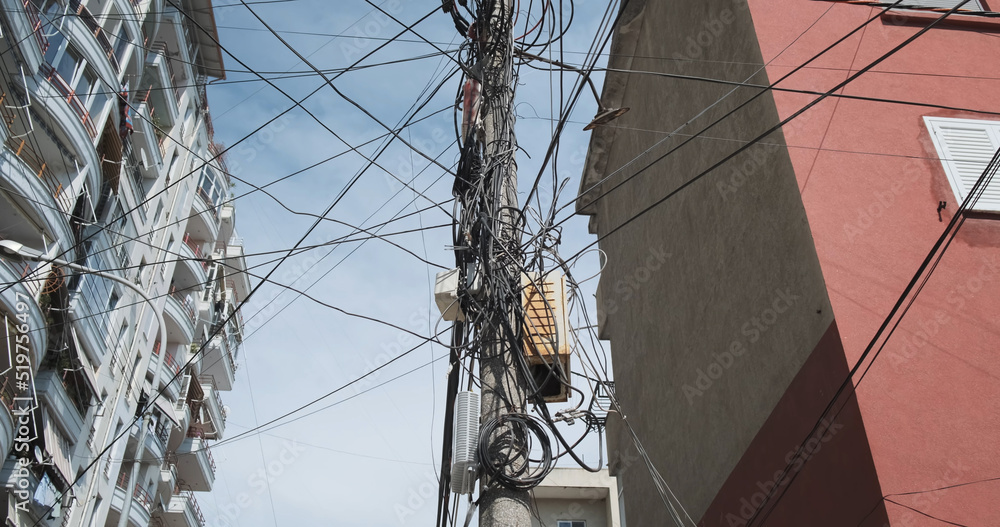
503,384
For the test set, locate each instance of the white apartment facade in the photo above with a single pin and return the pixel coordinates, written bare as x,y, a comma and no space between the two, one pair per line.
86,359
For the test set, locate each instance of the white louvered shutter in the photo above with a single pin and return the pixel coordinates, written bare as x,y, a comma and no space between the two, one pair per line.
966,147
974,5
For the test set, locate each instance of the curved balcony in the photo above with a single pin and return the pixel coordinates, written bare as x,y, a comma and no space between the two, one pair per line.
7,394
194,462
62,409
23,19
142,502
63,111
203,222
159,92
146,141
183,511
132,26
169,380
194,260
179,314
157,437
86,33
9,302
28,182
220,363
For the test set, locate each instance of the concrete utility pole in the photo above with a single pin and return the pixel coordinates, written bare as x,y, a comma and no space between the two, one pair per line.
502,382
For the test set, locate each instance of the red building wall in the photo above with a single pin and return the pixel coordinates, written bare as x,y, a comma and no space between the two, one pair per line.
871,182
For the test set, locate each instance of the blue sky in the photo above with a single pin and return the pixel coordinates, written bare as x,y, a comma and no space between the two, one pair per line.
369,460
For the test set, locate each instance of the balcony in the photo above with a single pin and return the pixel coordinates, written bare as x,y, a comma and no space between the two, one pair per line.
194,258
157,87
7,394
204,221
103,47
146,140
168,481
131,24
180,316
155,444
61,112
194,462
62,408
142,502
25,24
183,511
18,292
169,379
213,412
24,173
220,362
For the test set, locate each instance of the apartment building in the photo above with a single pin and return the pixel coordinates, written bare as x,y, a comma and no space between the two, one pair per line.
787,257
113,377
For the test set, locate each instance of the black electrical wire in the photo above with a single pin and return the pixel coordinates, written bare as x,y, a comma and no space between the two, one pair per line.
505,447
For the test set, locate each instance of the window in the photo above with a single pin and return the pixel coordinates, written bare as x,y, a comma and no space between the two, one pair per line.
121,44
113,301
966,148
67,63
573,523
973,5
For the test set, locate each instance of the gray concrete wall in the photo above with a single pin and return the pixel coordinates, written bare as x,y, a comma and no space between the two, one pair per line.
713,299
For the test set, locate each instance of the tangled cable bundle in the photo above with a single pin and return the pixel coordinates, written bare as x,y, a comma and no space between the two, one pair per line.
505,446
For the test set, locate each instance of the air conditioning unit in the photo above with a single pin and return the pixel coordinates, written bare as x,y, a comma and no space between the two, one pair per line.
465,441
546,333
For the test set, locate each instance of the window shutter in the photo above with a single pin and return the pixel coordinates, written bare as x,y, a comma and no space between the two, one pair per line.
974,5
966,148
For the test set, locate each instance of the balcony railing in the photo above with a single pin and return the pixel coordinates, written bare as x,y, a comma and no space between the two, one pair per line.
209,203
196,249
22,149
36,25
231,286
188,496
139,494
209,380
7,392
171,363
95,29
162,433
72,99
198,433
186,302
